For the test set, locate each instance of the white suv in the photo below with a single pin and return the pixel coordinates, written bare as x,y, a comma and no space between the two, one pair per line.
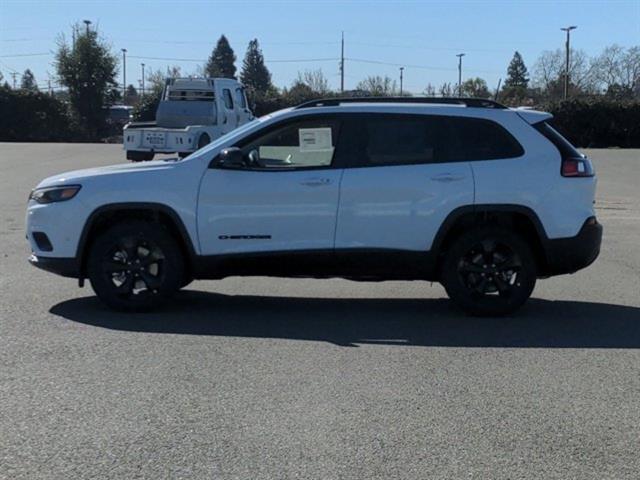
482,198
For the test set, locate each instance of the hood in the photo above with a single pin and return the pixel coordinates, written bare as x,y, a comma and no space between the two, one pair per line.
77,176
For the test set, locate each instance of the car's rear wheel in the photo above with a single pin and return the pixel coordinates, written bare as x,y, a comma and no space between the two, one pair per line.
138,156
204,140
489,272
135,266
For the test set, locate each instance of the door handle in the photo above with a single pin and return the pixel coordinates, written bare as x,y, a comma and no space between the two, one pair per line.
447,177
316,182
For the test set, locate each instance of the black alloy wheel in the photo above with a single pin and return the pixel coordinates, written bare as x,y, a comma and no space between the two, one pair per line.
489,272
135,266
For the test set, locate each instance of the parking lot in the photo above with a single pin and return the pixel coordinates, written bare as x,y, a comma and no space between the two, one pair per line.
260,378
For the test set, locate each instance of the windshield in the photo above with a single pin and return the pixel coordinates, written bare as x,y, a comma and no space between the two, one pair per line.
229,137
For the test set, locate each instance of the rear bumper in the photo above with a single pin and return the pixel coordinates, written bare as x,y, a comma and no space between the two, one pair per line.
67,267
568,255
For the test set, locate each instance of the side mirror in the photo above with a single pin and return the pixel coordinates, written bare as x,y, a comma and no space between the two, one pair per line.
231,157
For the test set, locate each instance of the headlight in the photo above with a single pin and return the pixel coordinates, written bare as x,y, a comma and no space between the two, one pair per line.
54,194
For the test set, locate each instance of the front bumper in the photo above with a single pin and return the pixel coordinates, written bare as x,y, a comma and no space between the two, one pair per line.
67,267
568,255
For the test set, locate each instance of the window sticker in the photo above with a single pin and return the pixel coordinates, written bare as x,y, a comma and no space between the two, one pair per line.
315,139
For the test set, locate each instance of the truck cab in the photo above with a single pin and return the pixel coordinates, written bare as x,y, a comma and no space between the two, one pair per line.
192,113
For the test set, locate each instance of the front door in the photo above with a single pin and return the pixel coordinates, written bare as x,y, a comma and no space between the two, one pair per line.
284,199
242,108
229,119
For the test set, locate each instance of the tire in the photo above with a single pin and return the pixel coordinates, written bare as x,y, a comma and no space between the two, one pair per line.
137,156
135,266
489,272
204,140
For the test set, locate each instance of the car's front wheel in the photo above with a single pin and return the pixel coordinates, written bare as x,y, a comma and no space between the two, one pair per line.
489,271
135,266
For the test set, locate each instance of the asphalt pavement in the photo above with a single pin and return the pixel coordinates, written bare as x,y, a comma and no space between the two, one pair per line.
262,378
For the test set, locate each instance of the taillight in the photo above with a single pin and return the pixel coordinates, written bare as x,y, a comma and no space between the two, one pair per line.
577,167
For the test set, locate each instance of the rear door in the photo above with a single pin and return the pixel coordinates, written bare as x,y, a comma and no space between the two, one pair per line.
400,186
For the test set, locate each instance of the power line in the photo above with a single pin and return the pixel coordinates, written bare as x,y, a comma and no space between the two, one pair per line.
200,60
26,55
425,67
208,42
8,67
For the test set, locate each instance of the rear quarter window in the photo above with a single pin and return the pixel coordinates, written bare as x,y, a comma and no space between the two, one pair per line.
562,144
475,139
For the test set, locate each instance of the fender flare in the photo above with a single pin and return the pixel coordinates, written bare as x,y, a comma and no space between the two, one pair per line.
124,206
457,213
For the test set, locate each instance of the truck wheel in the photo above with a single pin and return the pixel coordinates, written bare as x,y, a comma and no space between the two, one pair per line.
135,266
204,140
137,156
489,272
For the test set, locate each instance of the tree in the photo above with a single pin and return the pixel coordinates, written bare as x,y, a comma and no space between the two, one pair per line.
475,87
222,59
378,86
430,90
446,90
28,81
130,95
549,71
517,74
298,93
88,70
617,71
113,96
147,105
315,80
254,75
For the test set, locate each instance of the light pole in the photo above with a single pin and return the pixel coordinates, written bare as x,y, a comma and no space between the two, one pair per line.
401,70
142,79
342,65
460,55
566,68
124,73
87,23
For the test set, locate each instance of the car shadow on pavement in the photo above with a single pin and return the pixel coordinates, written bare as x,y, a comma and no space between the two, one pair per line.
354,321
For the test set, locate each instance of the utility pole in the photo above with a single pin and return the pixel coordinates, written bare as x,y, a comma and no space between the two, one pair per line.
401,70
14,74
124,73
342,65
142,79
460,55
87,23
566,68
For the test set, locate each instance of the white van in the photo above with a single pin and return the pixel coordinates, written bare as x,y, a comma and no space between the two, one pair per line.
192,113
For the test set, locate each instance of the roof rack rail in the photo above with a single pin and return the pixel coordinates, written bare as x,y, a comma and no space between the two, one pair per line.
469,102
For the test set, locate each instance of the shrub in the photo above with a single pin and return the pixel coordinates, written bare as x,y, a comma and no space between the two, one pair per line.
33,116
597,122
145,109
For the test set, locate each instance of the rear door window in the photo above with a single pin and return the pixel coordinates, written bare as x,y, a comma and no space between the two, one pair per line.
387,140
391,139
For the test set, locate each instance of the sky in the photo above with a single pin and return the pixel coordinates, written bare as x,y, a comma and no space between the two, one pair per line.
380,36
